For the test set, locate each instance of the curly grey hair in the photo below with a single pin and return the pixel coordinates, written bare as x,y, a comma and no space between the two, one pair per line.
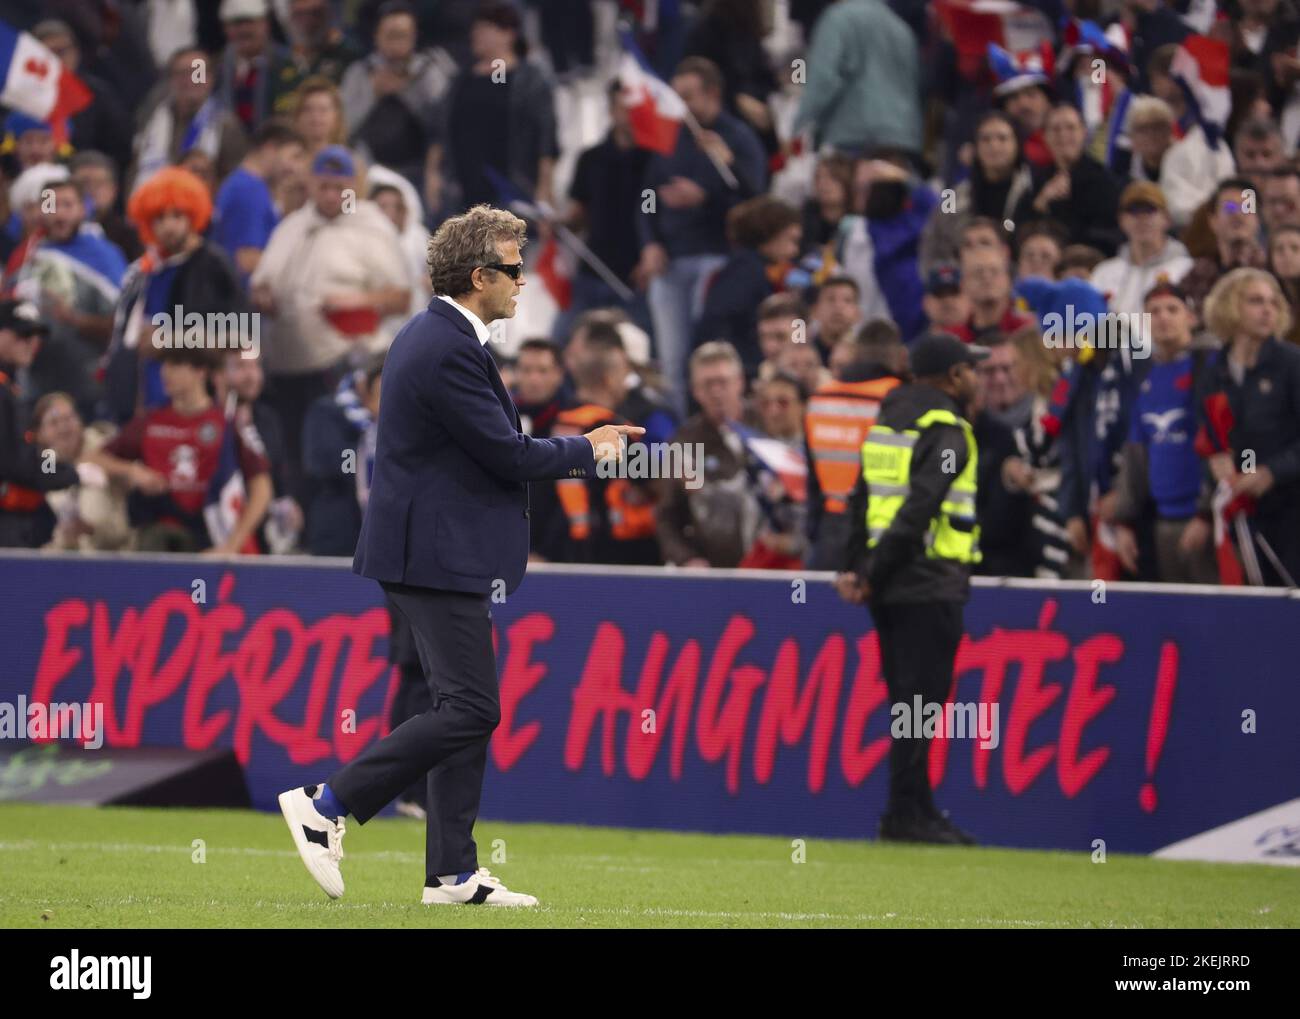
465,242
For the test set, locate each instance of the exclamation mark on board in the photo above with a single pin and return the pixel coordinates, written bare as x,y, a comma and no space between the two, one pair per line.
1166,679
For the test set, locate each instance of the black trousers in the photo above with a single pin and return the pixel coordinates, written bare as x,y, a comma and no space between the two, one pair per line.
918,646
449,742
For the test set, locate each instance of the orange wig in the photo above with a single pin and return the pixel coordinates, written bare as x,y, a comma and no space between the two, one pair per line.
169,188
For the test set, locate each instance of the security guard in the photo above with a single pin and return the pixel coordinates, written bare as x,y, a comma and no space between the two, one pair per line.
910,554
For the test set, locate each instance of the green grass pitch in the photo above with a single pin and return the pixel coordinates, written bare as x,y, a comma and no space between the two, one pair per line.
76,867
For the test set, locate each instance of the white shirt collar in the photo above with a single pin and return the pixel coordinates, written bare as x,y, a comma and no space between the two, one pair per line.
480,330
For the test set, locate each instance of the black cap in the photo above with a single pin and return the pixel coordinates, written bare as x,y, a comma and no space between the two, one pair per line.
944,278
1165,287
935,353
22,317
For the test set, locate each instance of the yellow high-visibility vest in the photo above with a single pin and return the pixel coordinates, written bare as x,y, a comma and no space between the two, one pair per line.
887,466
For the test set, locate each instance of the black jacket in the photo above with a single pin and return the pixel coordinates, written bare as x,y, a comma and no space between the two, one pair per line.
20,465
898,569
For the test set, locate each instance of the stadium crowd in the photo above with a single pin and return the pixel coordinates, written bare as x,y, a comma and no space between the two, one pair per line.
847,177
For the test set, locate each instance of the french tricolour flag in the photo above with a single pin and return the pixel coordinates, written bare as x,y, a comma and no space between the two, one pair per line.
1201,66
973,24
34,81
655,110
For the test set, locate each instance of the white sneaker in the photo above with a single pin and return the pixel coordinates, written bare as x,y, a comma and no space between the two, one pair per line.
408,809
319,840
480,889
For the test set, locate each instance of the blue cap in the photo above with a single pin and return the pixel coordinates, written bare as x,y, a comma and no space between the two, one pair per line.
334,161
19,124
944,278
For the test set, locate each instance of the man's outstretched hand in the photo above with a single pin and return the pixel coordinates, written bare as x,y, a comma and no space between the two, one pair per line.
607,440
852,588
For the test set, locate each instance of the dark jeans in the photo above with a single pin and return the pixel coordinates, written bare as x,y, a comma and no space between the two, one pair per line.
448,742
412,698
918,646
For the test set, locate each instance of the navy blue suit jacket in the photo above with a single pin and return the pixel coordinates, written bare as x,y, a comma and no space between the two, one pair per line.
448,504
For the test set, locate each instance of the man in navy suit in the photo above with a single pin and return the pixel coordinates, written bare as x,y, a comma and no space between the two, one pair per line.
446,525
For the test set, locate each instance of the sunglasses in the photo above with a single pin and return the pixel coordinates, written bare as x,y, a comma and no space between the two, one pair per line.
514,269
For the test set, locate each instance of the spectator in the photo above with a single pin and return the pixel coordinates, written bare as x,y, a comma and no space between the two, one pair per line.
714,522
393,98
318,45
1041,242
503,89
604,206
684,241
257,77
782,320
999,179
836,313
1258,147
26,222
1023,94
1079,261
764,234
1236,229
642,404
986,284
25,519
414,239
96,176
1280,201
91,515
169,456
103,125
317,114
804,362
539,396
830,201
32,140
1151,126
864,81
184,275
187,115
200,164
1148,255
331,282
1284,261
245,213
1159,462
75,274
730,34
781,541
338,458
1076,191
946,307
1249,424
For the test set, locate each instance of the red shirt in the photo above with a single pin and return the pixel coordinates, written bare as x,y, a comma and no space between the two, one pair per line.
187,449
1011,321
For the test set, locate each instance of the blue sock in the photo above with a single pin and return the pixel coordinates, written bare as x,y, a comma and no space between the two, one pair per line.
329,805
461,878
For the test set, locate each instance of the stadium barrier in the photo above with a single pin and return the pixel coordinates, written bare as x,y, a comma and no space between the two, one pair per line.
718,701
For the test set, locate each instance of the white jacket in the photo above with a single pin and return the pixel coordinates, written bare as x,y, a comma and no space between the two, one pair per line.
1190,172
1125,284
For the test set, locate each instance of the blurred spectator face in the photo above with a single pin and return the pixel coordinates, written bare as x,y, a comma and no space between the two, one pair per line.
245,376
1171,323
1257,307
946,309
1028,108
190,85
773,334
35,146
1258,10
98,185
1001,378
182,381
995,148
317,118
619,119
18,350
704,103
202,166
1145,225
779,409
980,236
1230,222
60,429
248,36
1151,140
828,189
842,355
803,362
1039,256
1285,253
287,161
784,247
537,376
327,193
1258,157
1281,201
64,47
1164,87
719,388
1065,135
64,219
985,279
488,41
836,311
574,351
309,21
395,38
391,204
172,229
